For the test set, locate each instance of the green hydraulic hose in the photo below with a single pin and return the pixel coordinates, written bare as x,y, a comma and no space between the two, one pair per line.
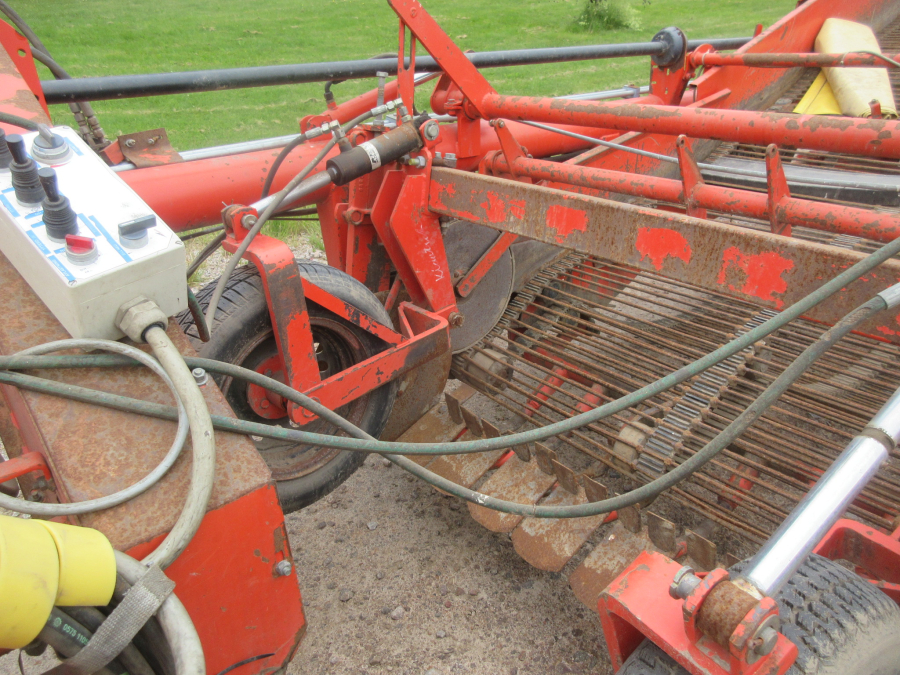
684,373
641,494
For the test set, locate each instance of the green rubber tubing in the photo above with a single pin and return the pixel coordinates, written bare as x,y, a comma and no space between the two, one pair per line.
641,494
684,373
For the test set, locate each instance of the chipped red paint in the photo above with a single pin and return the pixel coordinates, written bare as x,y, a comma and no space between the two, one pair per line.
494,208
763,273
659,243
565,220
517,208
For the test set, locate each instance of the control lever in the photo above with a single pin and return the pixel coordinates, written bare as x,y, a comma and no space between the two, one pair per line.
59,218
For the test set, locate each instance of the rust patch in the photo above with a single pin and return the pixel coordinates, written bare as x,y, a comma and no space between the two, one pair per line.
722,611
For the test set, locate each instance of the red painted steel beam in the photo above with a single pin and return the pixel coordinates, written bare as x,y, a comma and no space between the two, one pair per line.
879,138
759,267
192,194
798,212
848,60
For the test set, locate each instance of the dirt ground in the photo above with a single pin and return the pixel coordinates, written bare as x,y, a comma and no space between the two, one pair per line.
397,578
467,602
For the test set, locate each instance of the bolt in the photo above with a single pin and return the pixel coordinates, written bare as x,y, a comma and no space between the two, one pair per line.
248,221
200,376
355,216
130,143
684,582
283,568
456,319
431,130
264,404
768,637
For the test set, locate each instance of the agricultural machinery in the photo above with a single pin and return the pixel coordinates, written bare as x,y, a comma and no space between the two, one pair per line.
683,294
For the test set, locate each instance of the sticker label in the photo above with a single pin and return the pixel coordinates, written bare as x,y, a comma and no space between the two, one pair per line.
374,157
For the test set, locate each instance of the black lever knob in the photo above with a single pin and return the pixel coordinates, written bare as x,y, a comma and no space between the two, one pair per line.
133,234
59,218
47,176
5,155
24,172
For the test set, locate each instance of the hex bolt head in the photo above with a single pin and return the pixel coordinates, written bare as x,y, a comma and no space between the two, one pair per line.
130,143
200,376
283,568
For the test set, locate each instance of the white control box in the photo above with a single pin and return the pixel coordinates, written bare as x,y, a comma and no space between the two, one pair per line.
85,295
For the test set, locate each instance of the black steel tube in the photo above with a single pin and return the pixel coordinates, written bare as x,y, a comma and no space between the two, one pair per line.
160,84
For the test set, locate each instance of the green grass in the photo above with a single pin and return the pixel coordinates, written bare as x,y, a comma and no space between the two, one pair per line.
107,37
115,37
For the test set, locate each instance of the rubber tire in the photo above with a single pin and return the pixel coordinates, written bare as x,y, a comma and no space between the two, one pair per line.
841,624
243,317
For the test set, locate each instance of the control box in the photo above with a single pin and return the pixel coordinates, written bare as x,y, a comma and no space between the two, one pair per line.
115,249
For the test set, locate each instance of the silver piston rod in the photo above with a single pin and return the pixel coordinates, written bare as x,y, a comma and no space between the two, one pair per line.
817,512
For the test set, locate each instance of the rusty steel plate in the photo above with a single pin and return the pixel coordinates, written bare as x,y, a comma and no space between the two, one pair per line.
482,308
96,451
762,268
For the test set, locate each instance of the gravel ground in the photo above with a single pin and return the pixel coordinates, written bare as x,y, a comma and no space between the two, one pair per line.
397,578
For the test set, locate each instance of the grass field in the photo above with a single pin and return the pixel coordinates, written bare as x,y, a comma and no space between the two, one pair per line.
119,37
107,37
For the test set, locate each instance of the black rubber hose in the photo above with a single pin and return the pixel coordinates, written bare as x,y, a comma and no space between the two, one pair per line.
15,120
197,314
83,110
130,658
193,234
285,151
295,142
67,636
207,251
23,27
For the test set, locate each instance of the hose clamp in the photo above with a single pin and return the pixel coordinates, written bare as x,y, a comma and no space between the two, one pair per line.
891,296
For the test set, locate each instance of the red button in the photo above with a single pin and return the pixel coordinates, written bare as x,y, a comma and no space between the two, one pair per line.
79,245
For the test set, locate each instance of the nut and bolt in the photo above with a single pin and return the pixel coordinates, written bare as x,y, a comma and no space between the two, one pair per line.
456,319
683,584
130,143
283,568
431,130
200,376
248,221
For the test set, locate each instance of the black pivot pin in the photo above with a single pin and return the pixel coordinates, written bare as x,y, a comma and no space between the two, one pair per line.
59,218
24,173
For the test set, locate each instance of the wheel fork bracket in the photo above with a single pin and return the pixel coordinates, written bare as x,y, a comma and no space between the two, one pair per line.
423,335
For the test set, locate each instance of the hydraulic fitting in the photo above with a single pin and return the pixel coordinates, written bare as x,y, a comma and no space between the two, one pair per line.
136,316
371,155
